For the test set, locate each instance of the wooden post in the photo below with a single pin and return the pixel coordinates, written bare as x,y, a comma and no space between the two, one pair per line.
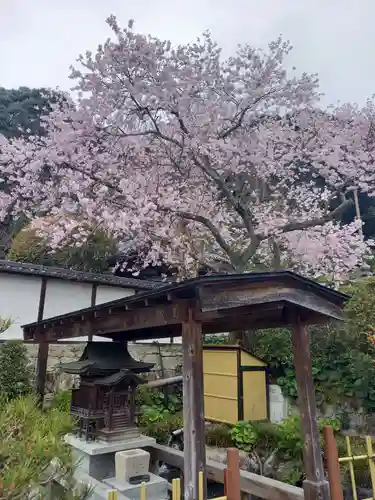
194,435
233,475
41,371
315,486
43,348
333,466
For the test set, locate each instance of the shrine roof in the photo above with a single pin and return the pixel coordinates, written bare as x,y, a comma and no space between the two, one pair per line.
105,358
221,303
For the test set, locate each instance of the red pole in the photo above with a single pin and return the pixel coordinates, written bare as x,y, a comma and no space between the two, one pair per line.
233,475
333,466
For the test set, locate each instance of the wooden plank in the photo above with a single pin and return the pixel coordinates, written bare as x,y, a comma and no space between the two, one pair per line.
252,484
315,486
213,299
93,323
164,381
194,435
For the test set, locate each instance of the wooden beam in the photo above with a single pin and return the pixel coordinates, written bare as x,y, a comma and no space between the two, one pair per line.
315,486
164,381
100,322
43,348
262,294
252,484
194,431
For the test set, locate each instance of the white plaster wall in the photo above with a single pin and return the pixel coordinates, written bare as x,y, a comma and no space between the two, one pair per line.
19,300
67,296
109,293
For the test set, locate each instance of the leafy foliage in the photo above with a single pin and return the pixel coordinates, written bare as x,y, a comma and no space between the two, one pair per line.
159,414
219,435
29,246
244,436
216,339
15,373
30,441
21,109
276,444
61,401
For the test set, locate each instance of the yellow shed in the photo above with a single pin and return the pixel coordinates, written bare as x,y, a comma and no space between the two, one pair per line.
235,385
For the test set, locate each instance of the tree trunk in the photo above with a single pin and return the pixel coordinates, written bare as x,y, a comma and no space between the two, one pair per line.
242,338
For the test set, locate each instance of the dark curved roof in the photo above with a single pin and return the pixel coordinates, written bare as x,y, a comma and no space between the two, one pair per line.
105,358
8,266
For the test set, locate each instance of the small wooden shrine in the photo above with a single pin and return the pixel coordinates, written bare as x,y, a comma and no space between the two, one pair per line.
104,403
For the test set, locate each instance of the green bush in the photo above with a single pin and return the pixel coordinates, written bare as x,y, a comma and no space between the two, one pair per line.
15,372
61,401
29,246
29,440
219,435
160,425
244,436
159,416
148,397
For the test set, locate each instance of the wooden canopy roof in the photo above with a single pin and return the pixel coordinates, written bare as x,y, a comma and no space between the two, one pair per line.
221,303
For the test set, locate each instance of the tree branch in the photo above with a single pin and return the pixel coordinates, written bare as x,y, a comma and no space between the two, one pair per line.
225,189
209,225
318,221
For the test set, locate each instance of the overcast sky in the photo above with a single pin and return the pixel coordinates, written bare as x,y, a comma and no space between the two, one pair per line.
335,38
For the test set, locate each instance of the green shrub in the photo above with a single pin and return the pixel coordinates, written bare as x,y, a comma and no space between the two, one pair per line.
215,339
15,372
148,397
219,435
160,426
159,416
29,246
61,401
29,440
244,436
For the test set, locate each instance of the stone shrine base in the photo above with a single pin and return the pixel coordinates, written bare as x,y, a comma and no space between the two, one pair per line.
95,462
97,459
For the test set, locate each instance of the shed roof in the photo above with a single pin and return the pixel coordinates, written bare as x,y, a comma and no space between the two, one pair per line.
8,266
221,303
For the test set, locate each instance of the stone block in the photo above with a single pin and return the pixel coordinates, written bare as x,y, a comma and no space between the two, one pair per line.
131,463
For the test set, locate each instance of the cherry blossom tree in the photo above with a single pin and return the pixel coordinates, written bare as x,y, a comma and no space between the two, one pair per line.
226,163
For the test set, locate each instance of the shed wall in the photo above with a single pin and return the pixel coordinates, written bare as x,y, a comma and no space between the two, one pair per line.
220,385
254,395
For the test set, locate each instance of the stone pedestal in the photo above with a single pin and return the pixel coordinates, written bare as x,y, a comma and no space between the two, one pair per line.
131,463
97,459
156,488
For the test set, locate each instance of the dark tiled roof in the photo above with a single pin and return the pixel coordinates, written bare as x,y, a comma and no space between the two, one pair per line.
8,266
106,357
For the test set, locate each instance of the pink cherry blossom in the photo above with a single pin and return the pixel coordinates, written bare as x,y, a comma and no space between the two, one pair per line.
202,160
